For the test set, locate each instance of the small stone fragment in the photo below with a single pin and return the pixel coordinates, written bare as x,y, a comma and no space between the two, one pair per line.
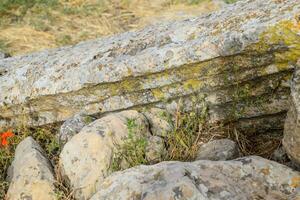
222,149
159,120
31,174
4,55
279,155
155,149
72,126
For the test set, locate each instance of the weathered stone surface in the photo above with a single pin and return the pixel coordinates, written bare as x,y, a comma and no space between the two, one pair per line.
30,174
85,160
280,155
291,140
241,179
238,58
160,121
72,126
155,149
4,55
222,149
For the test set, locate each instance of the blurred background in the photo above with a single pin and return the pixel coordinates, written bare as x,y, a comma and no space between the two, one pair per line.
31,25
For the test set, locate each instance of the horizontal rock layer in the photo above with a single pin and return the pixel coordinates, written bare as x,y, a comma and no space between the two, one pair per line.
237,60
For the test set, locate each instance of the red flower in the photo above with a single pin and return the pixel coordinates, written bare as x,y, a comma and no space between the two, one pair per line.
4,136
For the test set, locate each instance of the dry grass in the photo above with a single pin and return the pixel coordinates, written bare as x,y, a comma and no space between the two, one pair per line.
263,144
39,26
190,132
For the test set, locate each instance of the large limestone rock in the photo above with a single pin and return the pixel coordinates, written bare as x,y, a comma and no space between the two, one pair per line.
238,58
86,159
30,174
291,140
241,179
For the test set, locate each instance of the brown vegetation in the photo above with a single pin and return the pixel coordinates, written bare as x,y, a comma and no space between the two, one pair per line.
32,25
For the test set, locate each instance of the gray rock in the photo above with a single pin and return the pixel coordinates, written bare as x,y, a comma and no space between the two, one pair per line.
160,121
241,179
224,55
280,155
86,159
222,149
155,149
291,140
72,126
31,174
4,55
220,3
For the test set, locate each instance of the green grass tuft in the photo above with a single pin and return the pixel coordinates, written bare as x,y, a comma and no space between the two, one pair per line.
132,151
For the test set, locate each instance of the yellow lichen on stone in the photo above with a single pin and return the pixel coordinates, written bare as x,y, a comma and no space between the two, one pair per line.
158,93
285,36
295,182
282,66
192,84
265,171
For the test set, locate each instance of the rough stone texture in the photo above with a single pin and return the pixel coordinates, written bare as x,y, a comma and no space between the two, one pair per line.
241,179
160,121
4,55
222,149
30,174
280,155
220,3
291,140
85,160
155,149
238,58
72,126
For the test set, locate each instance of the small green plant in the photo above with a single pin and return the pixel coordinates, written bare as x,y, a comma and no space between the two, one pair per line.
230,1
132,151
190,131
64,40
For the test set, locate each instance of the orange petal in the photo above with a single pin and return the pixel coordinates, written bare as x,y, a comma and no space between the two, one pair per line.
4,142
